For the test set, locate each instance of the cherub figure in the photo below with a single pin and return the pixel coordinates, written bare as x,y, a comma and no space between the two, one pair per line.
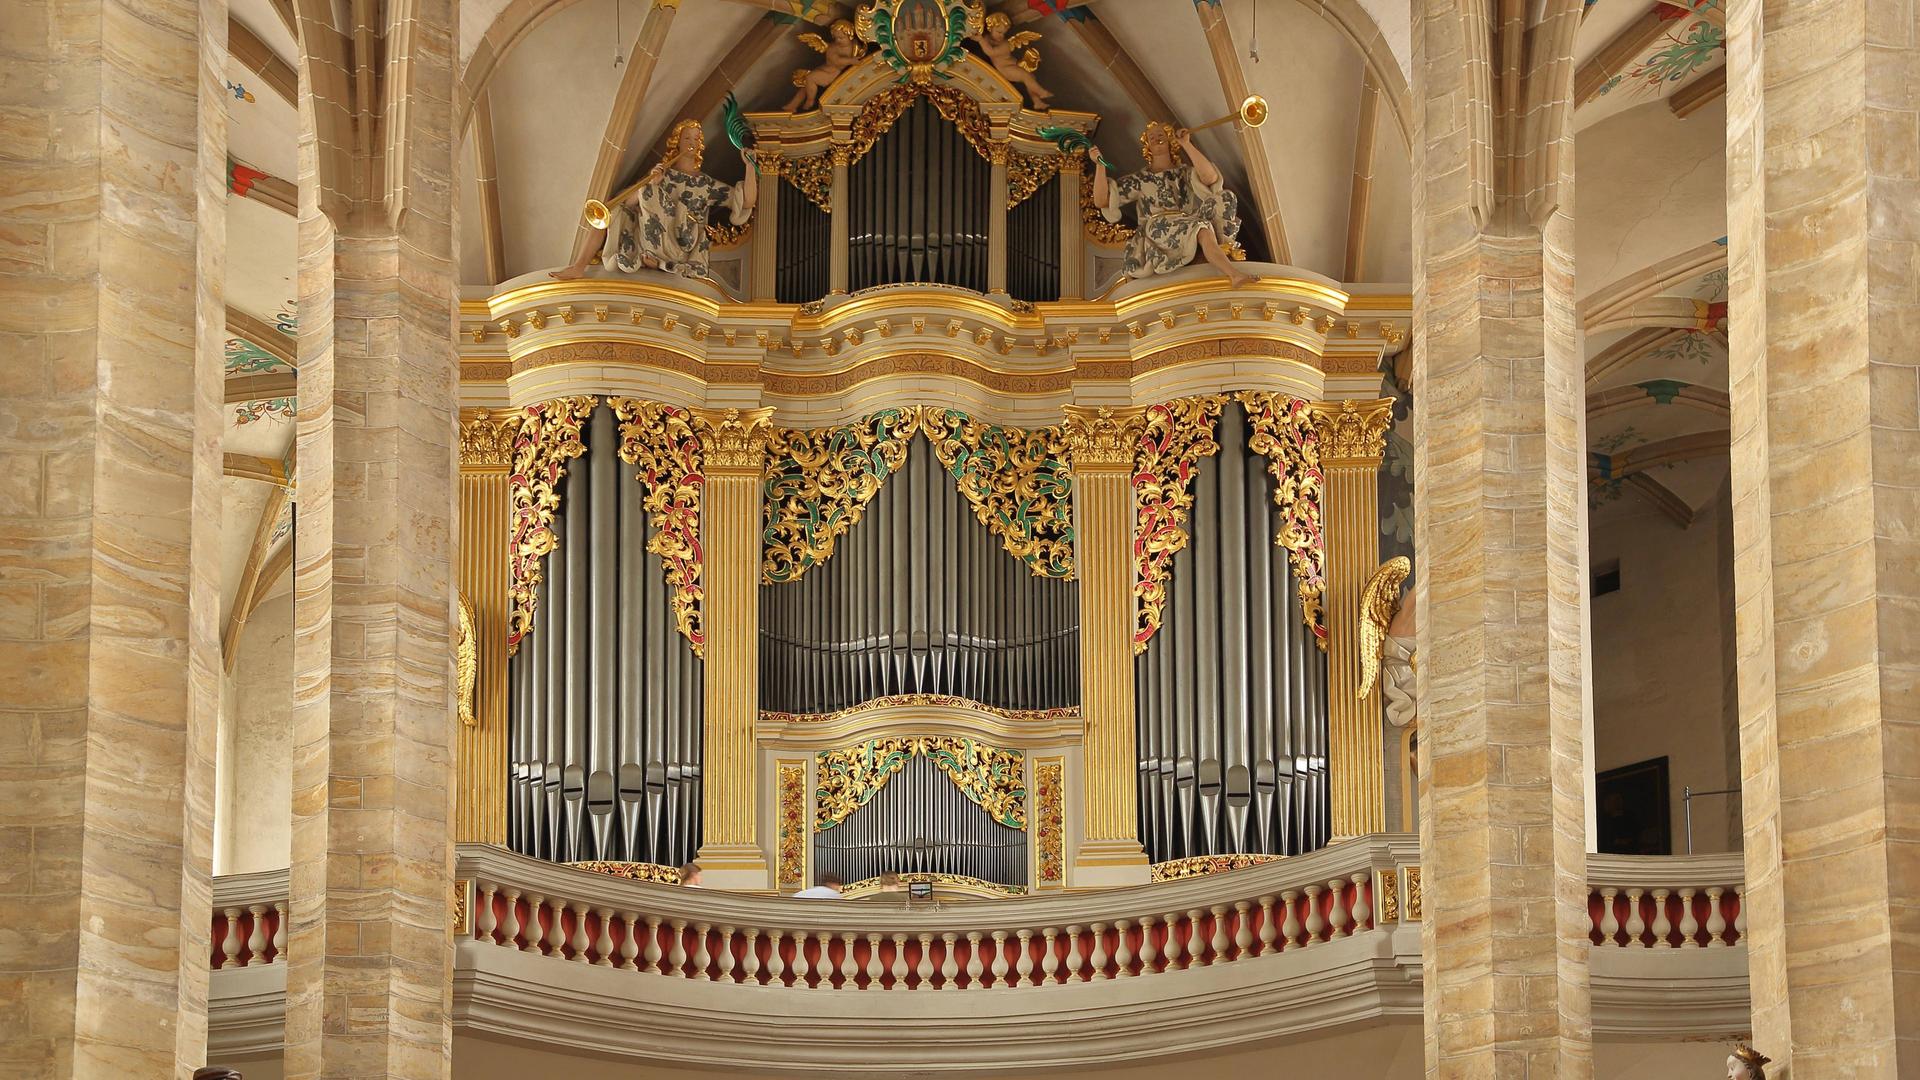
1015,66
841,53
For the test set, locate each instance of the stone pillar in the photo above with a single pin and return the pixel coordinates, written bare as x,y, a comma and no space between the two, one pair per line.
766,229
486,457
1102,442
1353,436
733,452
839,225
111,412
1500,482
369,946
1823,154
997,220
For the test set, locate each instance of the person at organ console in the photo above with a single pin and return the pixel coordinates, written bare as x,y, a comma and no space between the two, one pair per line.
662,224
1183,209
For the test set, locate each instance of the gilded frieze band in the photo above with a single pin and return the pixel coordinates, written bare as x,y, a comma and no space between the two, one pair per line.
1202,865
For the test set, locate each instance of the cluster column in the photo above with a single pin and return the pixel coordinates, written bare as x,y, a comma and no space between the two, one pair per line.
1102,442
1499,495
1823,156
733,452
1353,437
111,412
369,945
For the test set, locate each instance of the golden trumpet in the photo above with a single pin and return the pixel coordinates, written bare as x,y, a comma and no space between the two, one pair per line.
1252,113
596,214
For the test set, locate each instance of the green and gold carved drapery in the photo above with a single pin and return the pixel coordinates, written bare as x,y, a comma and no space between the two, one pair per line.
991,777
1177,434
660,441
818,482
1020,484
1283,431
549,436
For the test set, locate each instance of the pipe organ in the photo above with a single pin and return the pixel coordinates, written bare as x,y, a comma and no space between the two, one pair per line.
962,659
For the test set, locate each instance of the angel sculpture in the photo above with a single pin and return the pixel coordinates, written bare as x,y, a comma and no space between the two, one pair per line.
661,223
842,53
1184,209
1005,54
1386,640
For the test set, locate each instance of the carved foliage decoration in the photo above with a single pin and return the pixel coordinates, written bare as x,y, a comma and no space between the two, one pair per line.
818,484
881,111
991,777
1019,483
1099,229
549,437
661,442
1049,806
1026,172
1175,437
632,871
812,176
1202,865
790,787
1283,430
487,439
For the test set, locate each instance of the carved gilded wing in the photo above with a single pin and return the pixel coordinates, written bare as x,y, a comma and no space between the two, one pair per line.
1379,600
814,41
1023,39
467,663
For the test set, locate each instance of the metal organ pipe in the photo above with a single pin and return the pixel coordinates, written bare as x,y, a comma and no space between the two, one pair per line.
1231,693
919,598
606,721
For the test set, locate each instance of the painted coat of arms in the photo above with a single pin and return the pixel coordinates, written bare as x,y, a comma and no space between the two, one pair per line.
919,38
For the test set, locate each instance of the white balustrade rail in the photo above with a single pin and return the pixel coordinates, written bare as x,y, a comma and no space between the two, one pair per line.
1666,901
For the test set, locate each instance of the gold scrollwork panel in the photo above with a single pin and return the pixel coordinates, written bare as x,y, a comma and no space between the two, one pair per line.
550,435
819,482
991,777
1174,437
1283,431
662,443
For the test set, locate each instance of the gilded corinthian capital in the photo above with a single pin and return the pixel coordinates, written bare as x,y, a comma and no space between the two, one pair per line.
1105,436
1353,431
733,439
486,439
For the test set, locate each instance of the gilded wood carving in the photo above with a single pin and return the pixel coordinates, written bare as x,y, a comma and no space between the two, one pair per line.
550,435
661,442
1283,431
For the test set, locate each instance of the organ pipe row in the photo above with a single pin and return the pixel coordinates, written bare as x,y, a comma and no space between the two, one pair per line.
607,720
919,203
919,598
919,822
1231,694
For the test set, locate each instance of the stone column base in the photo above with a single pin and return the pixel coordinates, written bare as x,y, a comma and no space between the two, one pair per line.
734,868
1107,864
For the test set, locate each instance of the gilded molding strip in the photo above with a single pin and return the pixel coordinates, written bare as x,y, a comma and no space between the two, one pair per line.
958,882
549,436
790,798
931,700
1020,484
1416,906
632,871
661,442
1176,436
1049,806
1389,894
991,777
818,483
1284,431
1202,865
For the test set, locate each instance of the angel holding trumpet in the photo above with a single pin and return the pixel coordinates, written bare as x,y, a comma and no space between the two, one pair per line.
844,51
1183,208
661,224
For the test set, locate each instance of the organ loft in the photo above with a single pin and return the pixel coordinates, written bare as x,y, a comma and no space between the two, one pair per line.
643,538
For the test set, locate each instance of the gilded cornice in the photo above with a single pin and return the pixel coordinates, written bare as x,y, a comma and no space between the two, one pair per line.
922,713
1353,432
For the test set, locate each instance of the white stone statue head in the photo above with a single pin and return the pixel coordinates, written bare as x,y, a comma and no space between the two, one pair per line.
1746,1063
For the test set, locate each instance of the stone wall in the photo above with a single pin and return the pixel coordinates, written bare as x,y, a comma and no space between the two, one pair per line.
252,824
1659,687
